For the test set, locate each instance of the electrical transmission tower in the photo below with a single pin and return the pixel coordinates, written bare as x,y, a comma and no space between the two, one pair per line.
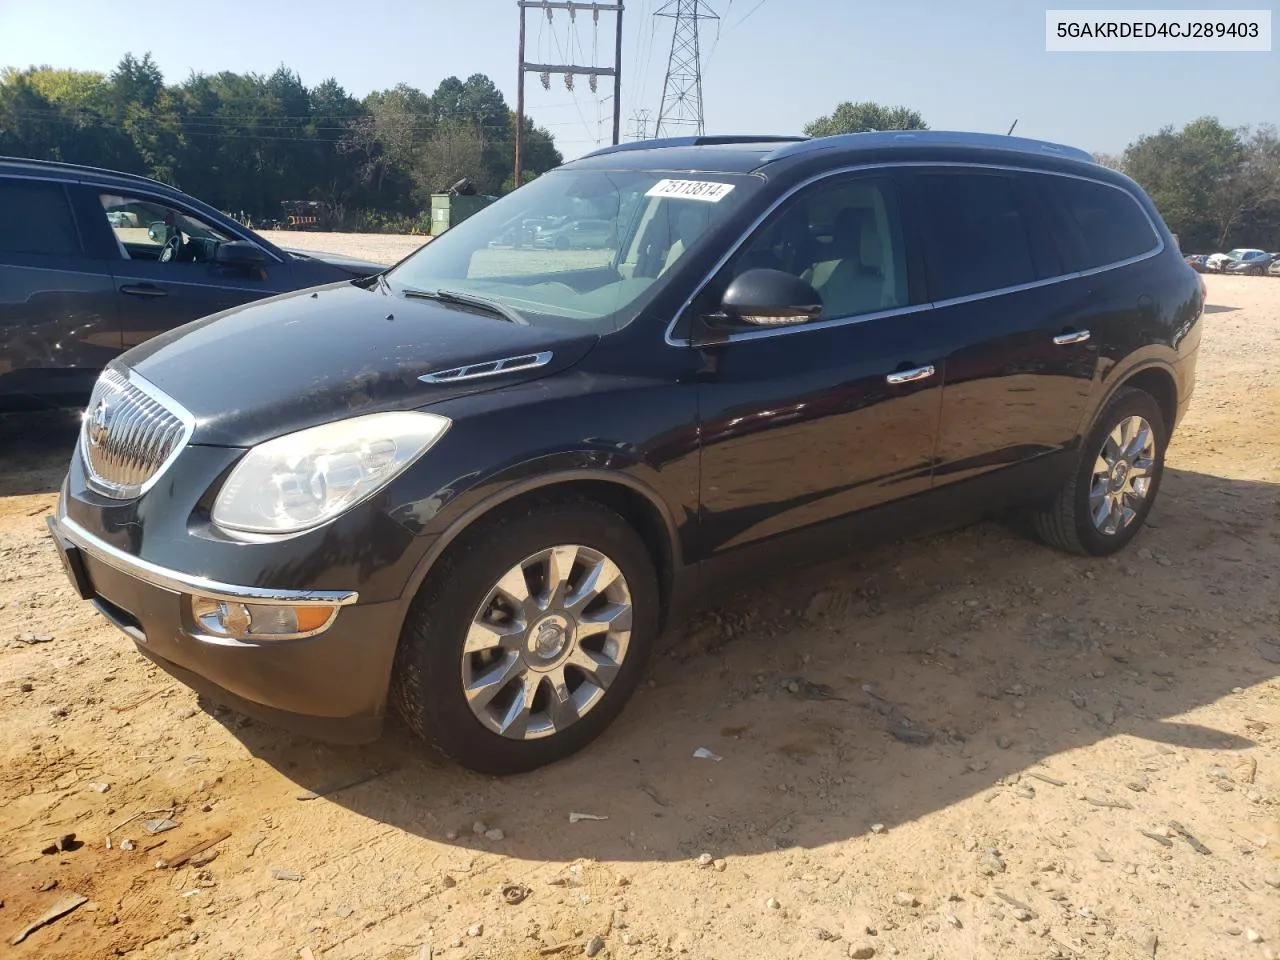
681,110
640,125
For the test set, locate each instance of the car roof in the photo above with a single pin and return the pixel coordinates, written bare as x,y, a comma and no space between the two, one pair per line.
746,153
56,168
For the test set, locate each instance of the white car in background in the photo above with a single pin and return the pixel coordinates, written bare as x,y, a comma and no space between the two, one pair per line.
1245,260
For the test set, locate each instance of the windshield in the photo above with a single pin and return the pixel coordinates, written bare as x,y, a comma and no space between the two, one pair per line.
574,245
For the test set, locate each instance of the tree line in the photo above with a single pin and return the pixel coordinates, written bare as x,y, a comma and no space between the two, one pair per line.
1217,187
246,142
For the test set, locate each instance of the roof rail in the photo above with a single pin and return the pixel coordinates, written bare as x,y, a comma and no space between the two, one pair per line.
101,171
703,141
891,138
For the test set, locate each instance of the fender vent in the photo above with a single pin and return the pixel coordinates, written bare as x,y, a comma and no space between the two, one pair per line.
490,368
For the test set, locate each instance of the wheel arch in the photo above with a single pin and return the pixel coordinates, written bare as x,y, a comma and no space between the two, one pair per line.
632,499
1154,377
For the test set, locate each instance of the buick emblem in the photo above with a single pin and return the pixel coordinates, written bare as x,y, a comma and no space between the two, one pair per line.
98,426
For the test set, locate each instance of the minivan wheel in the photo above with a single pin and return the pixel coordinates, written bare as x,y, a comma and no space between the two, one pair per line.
529,639
1105,502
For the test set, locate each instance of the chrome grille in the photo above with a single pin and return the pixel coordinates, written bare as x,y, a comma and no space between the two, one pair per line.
131,433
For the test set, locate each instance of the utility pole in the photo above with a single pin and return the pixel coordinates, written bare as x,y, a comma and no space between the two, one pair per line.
567,69
640,125
681,110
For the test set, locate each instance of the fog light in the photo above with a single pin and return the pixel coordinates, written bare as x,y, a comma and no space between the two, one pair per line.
259,621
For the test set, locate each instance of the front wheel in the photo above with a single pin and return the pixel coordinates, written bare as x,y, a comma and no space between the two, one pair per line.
528,640
1105,502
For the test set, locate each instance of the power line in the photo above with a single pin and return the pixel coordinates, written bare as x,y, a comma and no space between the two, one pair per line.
747,17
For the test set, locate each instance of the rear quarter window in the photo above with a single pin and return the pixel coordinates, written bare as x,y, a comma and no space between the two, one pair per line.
36,218
1110,225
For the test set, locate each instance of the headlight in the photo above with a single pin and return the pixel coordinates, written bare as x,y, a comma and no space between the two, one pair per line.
307,478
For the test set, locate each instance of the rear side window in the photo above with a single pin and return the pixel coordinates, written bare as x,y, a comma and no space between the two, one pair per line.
35,217
977,237
1111,226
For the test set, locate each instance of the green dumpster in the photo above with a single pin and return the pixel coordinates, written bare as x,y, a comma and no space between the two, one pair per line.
449,211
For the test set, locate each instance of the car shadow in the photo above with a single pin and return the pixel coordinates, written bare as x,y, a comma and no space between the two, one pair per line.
946,666
35,449
1217,308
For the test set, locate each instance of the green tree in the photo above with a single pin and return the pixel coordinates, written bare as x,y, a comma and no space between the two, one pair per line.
1184,173
245,142
865,117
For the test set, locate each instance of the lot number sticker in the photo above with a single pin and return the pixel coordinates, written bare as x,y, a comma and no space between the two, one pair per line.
691,190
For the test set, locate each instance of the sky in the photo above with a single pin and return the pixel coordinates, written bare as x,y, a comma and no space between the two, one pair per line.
770,66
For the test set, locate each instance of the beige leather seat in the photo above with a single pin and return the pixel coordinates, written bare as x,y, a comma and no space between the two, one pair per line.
690,222
851,283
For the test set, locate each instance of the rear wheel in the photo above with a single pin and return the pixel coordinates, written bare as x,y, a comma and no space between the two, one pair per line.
1105,502
530,638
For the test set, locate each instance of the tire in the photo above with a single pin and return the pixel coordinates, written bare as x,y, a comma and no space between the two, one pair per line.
431,667
1067,522
562,243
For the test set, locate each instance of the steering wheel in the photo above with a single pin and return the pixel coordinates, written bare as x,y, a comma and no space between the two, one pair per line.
171,247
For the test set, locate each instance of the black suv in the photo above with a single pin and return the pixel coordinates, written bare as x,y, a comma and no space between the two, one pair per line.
478,485
94,262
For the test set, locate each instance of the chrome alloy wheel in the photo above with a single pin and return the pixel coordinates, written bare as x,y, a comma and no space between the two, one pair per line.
547,642
1122,475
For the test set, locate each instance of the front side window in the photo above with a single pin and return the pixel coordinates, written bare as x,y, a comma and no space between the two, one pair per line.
149,230
843,237
577,245
977,238
37,219
1111,225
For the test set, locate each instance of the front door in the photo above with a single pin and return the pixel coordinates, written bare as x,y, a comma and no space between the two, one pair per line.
803,424
166,273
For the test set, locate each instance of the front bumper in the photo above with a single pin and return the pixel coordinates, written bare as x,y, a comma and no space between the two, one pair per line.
332,685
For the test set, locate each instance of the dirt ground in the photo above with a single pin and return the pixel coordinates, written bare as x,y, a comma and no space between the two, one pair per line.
378,247
1013,735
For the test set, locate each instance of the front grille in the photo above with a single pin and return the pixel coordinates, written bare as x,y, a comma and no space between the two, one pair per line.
131,433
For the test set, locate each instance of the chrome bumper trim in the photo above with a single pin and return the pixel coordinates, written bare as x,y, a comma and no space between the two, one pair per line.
188,583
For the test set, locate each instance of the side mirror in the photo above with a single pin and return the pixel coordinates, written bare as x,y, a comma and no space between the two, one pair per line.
769,298
158,231
239,253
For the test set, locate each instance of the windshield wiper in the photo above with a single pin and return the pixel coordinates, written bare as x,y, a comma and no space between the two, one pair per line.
469,300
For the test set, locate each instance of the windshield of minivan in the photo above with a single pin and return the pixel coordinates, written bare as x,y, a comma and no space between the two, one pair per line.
576,245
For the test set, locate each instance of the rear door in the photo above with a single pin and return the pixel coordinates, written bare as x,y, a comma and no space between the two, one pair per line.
58,321
1021,363
1109,245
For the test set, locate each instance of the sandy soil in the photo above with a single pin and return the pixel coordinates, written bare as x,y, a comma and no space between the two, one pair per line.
1014,734
378,247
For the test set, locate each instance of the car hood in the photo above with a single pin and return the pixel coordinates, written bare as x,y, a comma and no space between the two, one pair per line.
300,359
353,265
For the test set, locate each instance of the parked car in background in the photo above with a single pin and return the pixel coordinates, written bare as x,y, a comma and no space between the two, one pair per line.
94,262
1273,268
1253,263
578,235
477,486
1196,261
1239,260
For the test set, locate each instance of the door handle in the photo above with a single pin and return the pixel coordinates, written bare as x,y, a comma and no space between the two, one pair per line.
1073,336
143,290
910,376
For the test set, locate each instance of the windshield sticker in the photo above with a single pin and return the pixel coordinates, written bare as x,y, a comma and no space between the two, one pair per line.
691,190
